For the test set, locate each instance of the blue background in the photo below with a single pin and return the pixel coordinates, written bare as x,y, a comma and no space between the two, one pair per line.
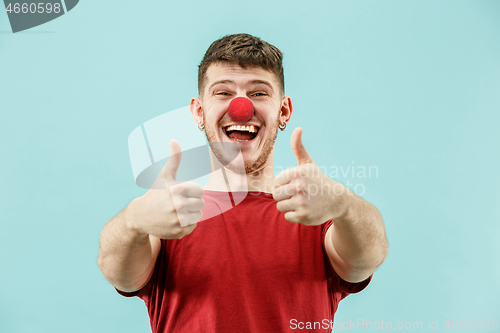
411,87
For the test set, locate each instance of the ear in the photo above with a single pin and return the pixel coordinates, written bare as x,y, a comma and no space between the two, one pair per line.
196,109
286,110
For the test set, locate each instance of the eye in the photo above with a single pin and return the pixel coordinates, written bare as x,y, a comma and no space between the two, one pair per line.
259,94
222,93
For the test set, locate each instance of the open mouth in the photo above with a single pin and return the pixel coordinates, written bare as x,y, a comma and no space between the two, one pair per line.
241,132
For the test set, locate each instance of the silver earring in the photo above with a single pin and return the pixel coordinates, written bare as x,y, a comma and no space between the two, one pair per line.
201,127
282,128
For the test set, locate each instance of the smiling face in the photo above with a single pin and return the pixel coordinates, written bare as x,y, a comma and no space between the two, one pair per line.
255,137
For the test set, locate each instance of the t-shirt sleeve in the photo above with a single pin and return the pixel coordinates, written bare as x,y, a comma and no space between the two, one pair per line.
352,288
127,294
340,284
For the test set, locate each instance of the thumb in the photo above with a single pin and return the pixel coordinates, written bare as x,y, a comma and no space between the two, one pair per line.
298,148
173,161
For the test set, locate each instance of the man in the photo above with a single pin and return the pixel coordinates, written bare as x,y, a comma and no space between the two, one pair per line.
279,260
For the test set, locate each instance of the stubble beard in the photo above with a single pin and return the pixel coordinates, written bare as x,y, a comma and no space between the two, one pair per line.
250,166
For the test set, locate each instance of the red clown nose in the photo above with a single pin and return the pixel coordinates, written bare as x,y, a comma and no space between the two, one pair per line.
240,109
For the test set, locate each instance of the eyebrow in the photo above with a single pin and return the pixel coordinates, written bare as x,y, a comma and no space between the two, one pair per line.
232,82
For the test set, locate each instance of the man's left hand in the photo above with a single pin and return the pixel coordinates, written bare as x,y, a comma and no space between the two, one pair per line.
304,193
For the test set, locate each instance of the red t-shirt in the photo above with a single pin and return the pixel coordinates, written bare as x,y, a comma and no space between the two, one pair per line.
244,270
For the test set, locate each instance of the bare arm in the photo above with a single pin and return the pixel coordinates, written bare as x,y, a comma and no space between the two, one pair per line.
130,242
126,256
356,242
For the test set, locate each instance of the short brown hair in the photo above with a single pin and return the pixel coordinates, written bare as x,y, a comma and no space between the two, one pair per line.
246,51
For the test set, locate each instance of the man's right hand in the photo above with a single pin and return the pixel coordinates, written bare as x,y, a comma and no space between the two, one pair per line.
171,212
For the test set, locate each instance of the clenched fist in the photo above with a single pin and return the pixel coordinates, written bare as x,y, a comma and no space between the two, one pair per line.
304,193
171,212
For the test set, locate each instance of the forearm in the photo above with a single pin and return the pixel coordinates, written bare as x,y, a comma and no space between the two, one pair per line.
126,255
359,237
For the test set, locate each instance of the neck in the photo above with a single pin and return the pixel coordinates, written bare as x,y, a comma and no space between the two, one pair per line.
225,180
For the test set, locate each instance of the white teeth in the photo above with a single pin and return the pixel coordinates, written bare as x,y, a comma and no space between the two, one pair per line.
250,128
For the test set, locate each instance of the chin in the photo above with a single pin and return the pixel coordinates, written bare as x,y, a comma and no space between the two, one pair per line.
229,146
